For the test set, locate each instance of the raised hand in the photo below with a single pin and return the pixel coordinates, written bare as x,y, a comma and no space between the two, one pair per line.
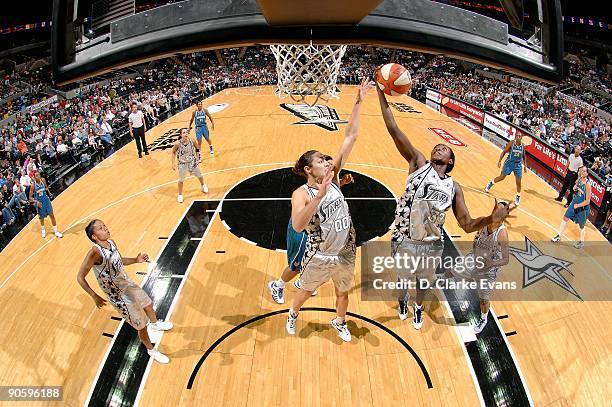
326,182
364,87
347,179
142,257
501,212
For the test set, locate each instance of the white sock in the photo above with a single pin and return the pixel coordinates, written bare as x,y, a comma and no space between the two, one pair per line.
484,316
54,228
518,194
42,228
293,313
582,233
562,227
339,320
280,283
418,306
493,181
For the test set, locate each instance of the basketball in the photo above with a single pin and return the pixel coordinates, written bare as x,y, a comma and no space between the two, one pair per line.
393,79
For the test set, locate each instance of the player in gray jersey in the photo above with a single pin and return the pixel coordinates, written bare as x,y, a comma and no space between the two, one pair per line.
184,150
320,209
490,251
128,299
421,211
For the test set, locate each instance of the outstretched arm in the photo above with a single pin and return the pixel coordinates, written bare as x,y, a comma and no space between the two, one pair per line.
469,224
142,257
403,144
352,130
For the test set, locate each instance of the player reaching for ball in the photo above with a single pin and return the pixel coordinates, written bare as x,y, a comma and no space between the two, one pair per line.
420,213
491,252
319,208
296,245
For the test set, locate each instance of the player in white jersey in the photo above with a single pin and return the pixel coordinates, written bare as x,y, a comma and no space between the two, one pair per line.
319,208
421,211
184,150
490,252
128,299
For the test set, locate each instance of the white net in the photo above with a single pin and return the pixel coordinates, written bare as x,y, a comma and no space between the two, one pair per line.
307,70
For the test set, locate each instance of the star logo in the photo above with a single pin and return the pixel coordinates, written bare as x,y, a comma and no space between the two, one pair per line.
538,266
320,115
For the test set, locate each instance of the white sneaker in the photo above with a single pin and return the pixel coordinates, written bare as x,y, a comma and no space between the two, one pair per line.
43,233
489,186
162,325
277,292
342,329
212,152
158,356
402,310
58,234
298,284
480,325
179,199
417,321
556,239
517,200
204,188
291,323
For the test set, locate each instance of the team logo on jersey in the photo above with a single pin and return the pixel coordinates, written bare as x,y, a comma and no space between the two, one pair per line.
403,107
320,115
430,193
538,266
166,140
328,210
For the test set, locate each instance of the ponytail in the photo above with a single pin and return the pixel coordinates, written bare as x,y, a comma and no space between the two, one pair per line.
305,160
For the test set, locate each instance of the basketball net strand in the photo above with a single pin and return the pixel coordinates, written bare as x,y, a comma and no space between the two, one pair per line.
305,70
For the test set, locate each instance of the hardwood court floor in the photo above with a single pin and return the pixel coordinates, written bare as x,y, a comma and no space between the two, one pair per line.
52,332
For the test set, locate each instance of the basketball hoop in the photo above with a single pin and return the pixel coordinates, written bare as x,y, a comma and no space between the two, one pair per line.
307,70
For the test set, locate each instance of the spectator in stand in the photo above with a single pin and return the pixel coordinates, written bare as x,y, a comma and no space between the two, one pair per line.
25,180
94,140
62,150
76,141
102,136
19,198
7,214
107,128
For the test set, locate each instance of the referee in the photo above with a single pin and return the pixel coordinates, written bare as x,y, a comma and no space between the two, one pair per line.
574,162
138,127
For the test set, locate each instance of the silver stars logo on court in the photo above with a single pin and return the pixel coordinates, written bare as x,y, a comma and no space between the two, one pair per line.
538,266
320,115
